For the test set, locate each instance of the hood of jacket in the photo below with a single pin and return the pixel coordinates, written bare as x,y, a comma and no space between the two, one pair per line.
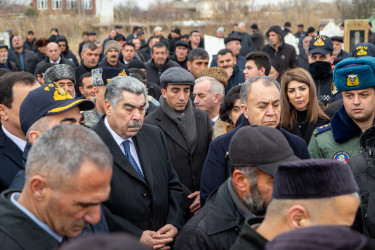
279,31
63,39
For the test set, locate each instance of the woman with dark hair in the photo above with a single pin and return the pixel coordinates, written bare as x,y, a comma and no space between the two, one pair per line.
230,111
300,110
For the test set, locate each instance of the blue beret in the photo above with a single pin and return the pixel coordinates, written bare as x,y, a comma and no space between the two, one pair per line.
177,76
313,179
48,99
102,76
355,73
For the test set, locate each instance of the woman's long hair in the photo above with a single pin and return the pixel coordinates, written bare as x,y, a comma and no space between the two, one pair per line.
288,111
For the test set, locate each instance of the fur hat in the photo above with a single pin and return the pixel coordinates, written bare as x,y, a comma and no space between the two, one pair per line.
217,73
58,72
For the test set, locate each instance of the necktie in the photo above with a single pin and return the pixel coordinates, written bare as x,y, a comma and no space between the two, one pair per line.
130,158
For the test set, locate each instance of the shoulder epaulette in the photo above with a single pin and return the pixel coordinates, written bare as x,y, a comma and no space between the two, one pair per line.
323,128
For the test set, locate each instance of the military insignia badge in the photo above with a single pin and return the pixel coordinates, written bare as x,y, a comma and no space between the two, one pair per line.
333,89
362,50
352,80
319,41
122,73
61,94
341,156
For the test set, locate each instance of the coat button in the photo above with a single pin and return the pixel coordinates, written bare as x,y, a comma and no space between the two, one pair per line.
144,194
193,176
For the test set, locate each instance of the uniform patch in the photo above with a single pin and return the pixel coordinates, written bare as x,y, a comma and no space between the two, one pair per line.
323,128
319,41
333,89
362,50
352,80
341,156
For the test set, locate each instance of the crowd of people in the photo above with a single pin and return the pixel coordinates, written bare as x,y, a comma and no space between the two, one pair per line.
144,143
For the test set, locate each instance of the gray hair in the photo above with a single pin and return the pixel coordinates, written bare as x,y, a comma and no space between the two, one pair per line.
60,152
241,24
119,84
216,86
265,80
20,37
89,45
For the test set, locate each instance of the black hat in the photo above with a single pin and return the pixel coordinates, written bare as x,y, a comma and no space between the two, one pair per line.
137,76
300,25
102,76
182,43
92,33
313,179
363,49
320,44
230,38
337,39
118,26
140,33
2,46
118,37
310,30
254,26
136,64
327,237
30,32
105,241
185,36
287,24
268,149
177,76
177,31
48,99
55,29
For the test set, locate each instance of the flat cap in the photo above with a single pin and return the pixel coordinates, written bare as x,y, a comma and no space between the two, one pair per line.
355,73
176,30
313,179
337,39
111,45
177,76
102,76
230,38
215,72
182,43
287,24
46,100
320,44
268,149
136,64
327,237
58,72
4,46
363,49
254,26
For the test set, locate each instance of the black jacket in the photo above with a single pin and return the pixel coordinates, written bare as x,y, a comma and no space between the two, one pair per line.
105,63
30,45
216,226
18,231
216,167
62,61
146,53
187,163
182,64
303,60
249,238
38,57
363,168
135,204
10,160
153,73
27,57
79,71
246,43
258,40
285,55
68,54
323,87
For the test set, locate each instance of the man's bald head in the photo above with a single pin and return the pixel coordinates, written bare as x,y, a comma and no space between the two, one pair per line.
53,51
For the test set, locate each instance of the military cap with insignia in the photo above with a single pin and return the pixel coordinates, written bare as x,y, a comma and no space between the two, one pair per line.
363,49
355,73
320,44
102,76
46,100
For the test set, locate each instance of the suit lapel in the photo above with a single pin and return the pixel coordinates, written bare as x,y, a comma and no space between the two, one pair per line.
10,149
197,125
172,131
118,157
142,145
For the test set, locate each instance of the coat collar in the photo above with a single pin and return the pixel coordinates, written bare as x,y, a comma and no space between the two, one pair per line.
343,127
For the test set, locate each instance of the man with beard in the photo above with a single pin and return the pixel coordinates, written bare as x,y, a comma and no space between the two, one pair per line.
4,62
226,60
303,60
338,52
112,53
245,194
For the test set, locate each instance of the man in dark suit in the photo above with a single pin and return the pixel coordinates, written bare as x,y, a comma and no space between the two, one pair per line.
146,196
13,89
187,129
260,98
